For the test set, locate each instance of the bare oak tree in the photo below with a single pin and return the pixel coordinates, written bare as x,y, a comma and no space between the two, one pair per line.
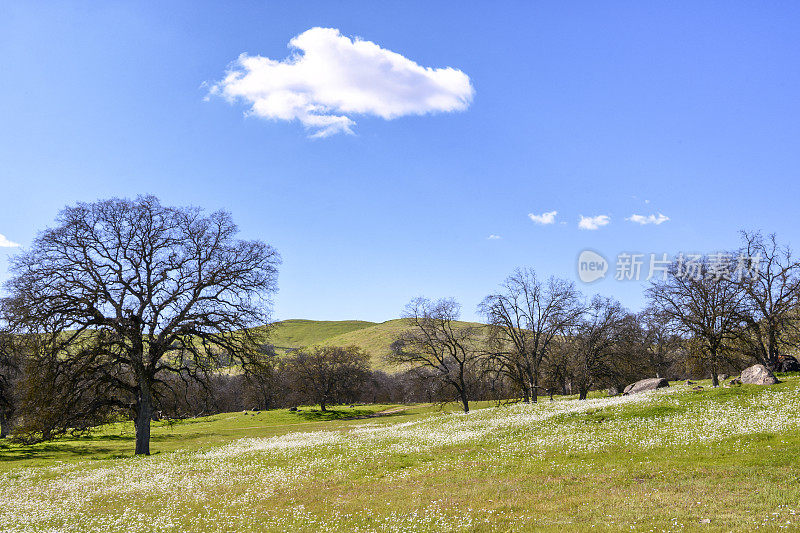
121,292
437,342
598,341
525,320
704,306
772,296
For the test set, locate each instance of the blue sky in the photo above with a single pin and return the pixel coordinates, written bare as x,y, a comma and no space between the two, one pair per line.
688,109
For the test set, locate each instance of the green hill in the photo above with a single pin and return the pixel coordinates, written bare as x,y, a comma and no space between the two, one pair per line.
373,338
296,333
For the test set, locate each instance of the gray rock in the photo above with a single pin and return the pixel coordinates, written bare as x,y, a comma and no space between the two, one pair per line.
758,375
646,385
612,391
722,377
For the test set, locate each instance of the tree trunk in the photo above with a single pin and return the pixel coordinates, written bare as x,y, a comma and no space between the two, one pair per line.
772,362
714,374
144,413
322,405
583,393
464,401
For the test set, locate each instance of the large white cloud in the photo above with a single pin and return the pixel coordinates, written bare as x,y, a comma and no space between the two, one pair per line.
593,223
5,243
330,78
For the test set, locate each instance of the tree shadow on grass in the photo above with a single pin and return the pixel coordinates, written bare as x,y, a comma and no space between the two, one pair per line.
315,415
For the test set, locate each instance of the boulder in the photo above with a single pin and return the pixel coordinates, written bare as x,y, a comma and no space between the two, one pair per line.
722,377
789,364
758,375
612,391
646,385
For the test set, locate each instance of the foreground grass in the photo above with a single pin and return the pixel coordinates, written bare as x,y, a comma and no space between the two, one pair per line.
724,459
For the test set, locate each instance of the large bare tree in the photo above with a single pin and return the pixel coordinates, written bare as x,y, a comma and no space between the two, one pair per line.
121,292
705,304
599,342
435,341
772,291
526,318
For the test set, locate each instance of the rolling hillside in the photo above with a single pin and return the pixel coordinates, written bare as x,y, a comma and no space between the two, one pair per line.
374,338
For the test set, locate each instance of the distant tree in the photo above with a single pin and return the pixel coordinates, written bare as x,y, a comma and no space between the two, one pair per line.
10,363
772,291
659,342
122,292
328,375
451,353
525,320
705,305
266,385
598,343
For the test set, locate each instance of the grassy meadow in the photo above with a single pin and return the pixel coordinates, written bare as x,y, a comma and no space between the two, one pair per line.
669,460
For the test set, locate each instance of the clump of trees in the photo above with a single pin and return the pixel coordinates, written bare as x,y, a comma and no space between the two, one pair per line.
707,316
328,375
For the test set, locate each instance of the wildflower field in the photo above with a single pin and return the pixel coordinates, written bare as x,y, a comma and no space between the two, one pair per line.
669,460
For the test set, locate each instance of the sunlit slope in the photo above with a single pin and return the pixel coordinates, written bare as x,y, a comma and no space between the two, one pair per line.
375,339
296,333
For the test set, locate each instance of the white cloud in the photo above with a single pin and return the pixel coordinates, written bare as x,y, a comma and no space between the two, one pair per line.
649,219
593,223
494,237
330,78
544,218
5,243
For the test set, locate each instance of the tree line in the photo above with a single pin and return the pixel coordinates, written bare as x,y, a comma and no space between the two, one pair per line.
129,309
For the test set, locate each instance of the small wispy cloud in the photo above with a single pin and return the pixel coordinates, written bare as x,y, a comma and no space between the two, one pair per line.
330,78
593,223
494,237
544,218
649,219
5,243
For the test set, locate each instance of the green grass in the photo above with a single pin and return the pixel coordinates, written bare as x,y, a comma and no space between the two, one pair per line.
714,460
297,333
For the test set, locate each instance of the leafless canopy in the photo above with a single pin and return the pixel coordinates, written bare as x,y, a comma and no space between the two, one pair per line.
127,290
772,297
525,319
702,306
435,341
